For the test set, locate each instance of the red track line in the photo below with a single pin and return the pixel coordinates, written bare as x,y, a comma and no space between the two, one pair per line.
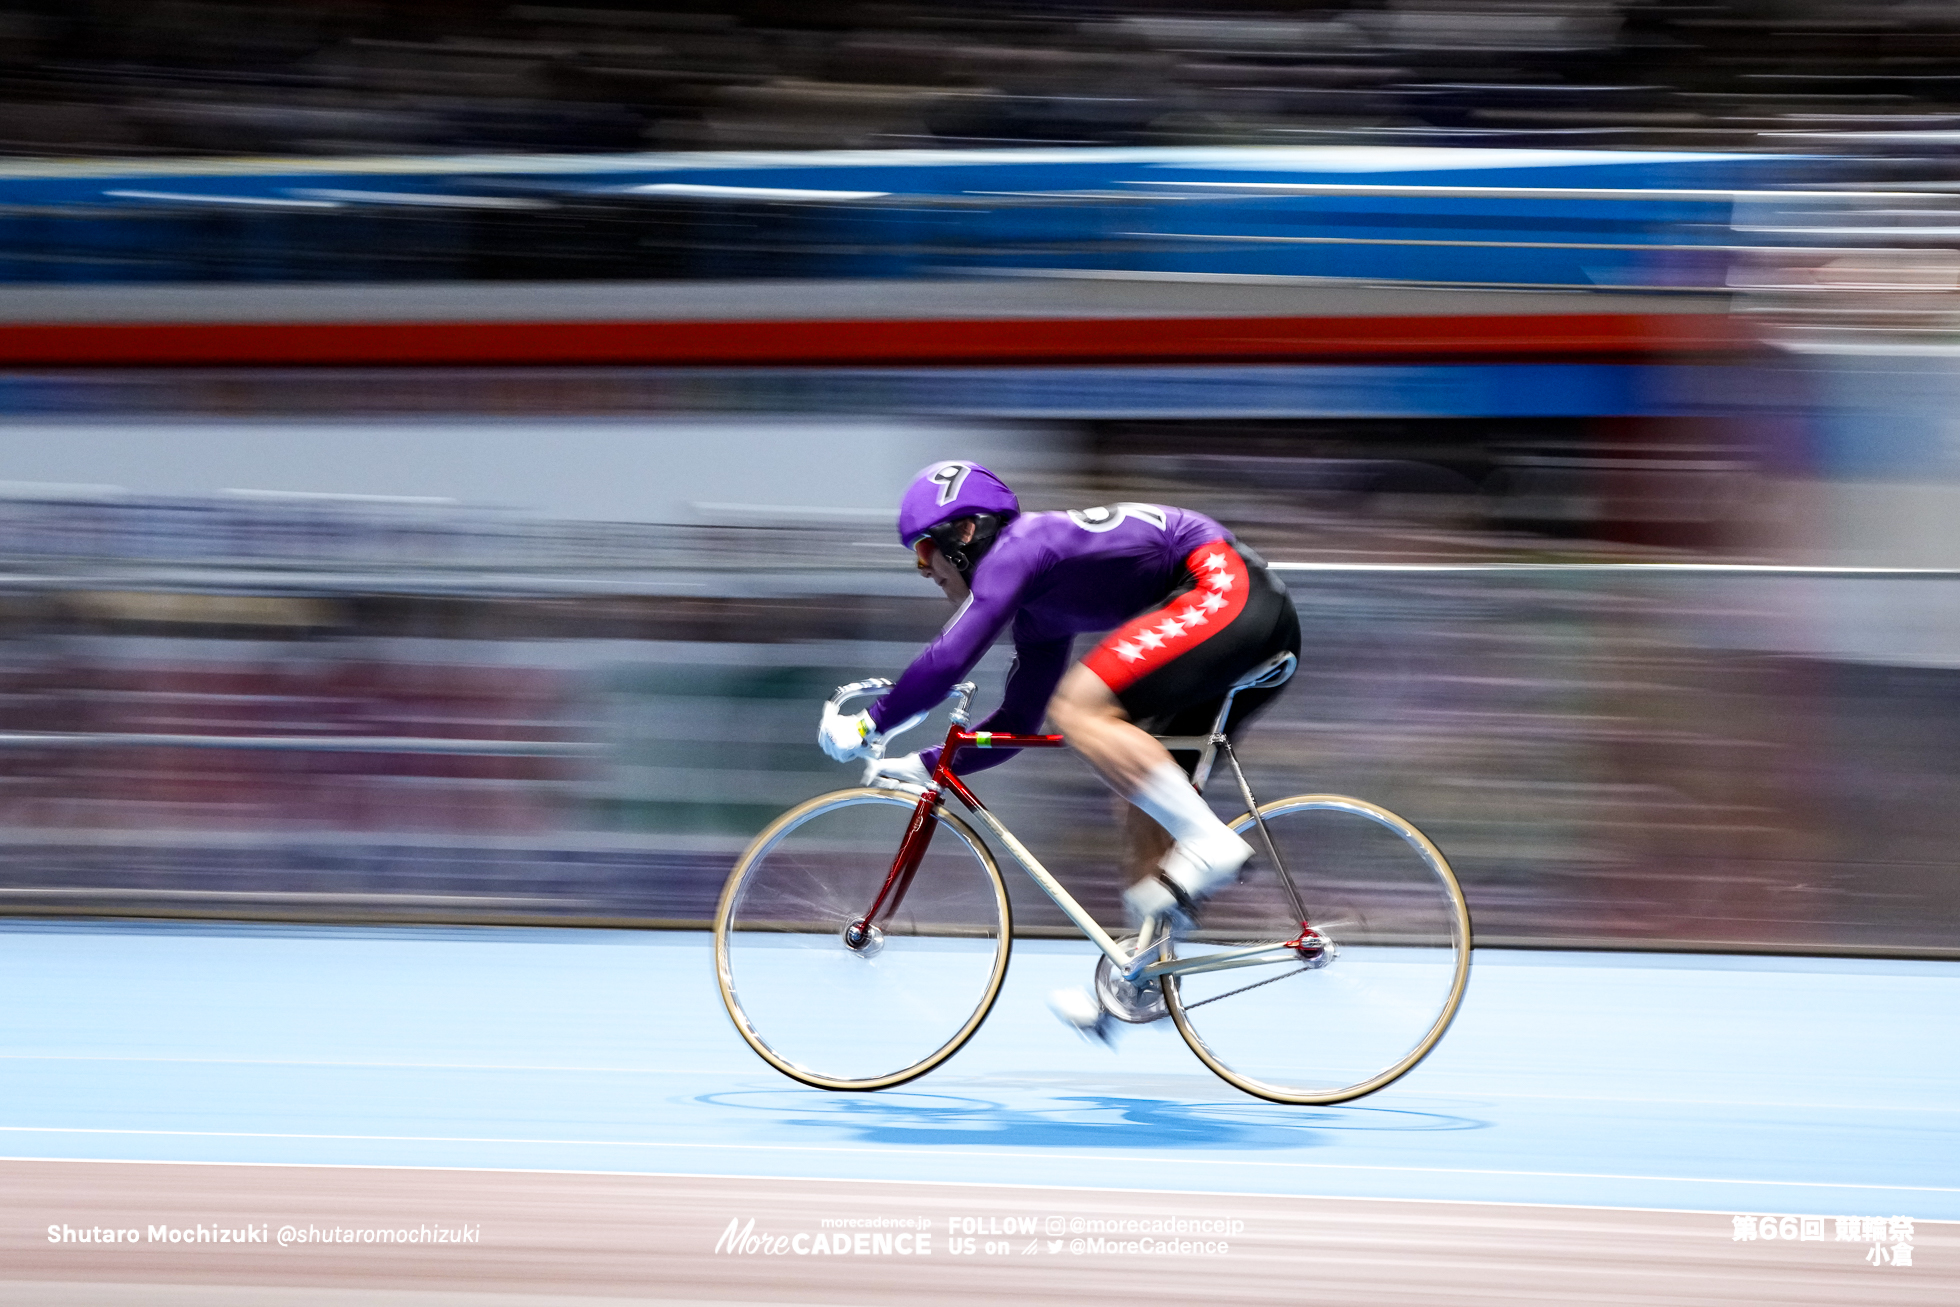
858,341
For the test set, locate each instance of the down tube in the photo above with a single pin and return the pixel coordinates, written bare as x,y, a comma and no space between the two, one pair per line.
1052,887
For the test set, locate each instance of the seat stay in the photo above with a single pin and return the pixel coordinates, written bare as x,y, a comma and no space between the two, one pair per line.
1266,837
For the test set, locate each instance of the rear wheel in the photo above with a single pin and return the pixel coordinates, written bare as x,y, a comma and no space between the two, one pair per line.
1344,1002
839,1006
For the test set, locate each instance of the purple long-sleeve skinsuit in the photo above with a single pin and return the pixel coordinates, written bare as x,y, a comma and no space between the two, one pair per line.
1054,576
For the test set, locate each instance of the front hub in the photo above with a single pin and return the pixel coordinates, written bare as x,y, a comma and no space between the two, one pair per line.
863,938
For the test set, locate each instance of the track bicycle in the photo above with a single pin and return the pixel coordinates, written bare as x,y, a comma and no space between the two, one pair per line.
1327,971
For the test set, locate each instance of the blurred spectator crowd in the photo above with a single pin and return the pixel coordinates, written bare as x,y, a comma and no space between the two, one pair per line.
325,77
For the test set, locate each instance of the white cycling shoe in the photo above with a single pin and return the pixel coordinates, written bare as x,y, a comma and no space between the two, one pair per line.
1083,1013
1192,872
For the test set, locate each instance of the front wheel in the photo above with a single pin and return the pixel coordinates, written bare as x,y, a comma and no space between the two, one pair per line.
1344,1001
838,1002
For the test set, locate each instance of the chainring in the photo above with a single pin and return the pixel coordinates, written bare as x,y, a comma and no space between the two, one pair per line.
1137,1004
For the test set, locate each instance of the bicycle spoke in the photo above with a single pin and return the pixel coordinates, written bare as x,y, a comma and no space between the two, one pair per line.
1265,835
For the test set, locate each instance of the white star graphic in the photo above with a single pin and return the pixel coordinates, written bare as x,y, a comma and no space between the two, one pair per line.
1170,627
1193,617
1150,639
1216,562
1129,653
1212,602
1220,582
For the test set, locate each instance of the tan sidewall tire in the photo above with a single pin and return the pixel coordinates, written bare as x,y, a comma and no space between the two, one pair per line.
1430,854
802,812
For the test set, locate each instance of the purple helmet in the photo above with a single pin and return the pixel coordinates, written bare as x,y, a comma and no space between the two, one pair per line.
948,490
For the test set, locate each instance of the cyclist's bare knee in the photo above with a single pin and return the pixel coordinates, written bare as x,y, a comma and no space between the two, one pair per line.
1096,726
1082,700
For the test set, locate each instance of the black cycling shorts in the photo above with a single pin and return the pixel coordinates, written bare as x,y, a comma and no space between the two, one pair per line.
1171,666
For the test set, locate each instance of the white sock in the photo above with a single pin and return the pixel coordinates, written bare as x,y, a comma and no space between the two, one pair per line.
1166,794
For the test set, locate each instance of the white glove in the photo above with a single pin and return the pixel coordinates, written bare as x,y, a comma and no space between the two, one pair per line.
845,738
890,773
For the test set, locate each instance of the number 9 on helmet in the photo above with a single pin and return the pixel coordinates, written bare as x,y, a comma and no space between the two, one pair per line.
946,492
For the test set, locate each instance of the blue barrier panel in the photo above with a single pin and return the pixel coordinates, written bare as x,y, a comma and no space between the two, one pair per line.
1506,217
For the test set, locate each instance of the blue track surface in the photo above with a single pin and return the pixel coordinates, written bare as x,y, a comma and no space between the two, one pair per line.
1726,1084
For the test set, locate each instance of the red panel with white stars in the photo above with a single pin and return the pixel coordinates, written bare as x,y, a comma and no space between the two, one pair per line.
1142,645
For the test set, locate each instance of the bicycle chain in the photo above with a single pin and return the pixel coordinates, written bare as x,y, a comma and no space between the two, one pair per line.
1242,989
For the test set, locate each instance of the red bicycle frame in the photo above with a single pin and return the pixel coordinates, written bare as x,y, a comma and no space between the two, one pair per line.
918,835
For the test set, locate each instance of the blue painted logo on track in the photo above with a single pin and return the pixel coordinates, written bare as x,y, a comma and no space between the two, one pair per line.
1075,1121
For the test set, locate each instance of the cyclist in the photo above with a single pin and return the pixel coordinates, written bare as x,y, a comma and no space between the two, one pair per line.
1192,610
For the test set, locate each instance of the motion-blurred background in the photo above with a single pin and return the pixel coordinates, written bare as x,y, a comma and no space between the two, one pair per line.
450,449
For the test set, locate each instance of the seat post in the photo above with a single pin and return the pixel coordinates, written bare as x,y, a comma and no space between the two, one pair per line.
1202,772
1276,670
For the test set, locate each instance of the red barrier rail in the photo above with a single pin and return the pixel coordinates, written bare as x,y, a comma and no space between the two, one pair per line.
865,341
